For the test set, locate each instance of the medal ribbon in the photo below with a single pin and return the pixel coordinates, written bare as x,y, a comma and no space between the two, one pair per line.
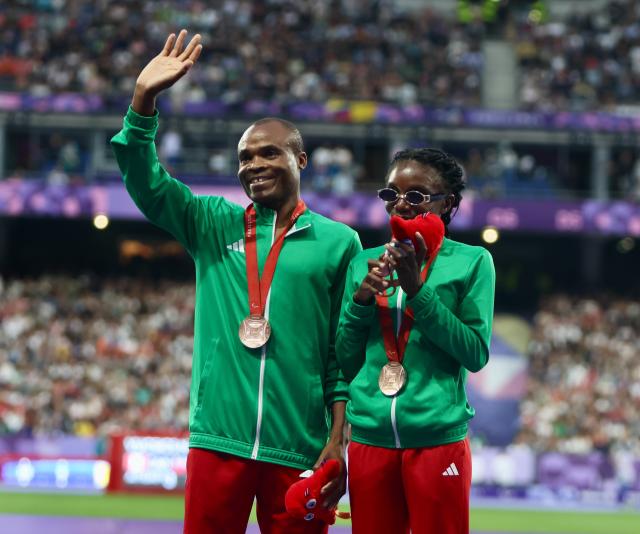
395,347
259,285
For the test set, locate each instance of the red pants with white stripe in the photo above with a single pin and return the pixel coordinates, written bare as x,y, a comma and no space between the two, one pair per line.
220,490
425,489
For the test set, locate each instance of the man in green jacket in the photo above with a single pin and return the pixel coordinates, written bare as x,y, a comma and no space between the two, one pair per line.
267,400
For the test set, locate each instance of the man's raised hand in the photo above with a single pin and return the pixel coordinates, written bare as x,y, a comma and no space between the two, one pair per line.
164,70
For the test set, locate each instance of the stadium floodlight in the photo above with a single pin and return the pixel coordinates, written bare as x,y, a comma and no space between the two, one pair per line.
490,234
101,221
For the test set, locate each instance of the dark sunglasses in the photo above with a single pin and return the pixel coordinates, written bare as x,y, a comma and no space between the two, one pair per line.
415,198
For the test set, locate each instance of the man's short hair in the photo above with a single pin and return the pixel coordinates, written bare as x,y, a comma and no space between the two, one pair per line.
295,138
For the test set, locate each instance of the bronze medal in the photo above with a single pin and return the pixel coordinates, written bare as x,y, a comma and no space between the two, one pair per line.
392,379
393,376
254,331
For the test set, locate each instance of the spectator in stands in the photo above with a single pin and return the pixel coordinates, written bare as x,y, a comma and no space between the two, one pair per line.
624,174
333,170
170,150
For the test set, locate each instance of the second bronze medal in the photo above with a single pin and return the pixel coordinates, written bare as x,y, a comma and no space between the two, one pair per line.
392,379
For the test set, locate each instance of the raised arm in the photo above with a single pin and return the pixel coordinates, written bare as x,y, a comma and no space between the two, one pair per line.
163,200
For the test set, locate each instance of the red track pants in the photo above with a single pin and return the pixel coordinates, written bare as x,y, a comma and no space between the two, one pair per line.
425,490
220,490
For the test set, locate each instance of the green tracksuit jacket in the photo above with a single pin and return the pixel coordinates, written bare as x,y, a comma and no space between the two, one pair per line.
450,335
270,404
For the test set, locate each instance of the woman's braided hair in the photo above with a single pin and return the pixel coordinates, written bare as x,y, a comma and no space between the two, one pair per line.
445,165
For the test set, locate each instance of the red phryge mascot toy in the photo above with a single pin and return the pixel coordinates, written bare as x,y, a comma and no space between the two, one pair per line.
429,225
303,499
431,229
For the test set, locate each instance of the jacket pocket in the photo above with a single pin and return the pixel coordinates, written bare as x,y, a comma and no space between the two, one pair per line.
206,379
450,386
315,402
453,390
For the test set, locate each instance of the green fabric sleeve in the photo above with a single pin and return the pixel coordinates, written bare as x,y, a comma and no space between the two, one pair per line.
336,388
466,334
165,201
353,329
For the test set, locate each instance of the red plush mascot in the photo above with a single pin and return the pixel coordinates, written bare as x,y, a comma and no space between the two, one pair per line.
431,229
303,499
429,225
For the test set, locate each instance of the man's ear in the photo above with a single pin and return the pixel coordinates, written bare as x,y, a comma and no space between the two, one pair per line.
302,160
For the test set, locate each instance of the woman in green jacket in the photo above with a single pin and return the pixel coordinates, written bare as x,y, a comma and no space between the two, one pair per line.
409,459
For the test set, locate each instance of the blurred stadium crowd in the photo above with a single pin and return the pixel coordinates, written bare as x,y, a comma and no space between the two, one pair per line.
278,50
589,61
315,49
271,49
91,356
584,376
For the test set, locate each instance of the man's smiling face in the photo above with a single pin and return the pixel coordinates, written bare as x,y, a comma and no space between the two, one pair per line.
269,167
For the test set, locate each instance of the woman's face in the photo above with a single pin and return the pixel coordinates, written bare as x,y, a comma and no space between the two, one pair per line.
410,175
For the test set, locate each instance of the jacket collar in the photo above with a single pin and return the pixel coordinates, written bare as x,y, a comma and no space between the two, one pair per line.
267,217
